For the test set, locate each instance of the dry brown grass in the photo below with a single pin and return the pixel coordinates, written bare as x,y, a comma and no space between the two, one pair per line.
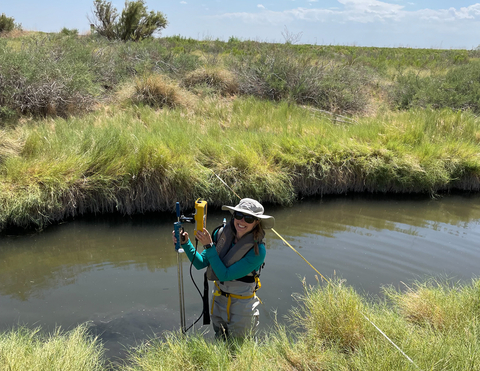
219,79
158,91
15,34
9,147
421,307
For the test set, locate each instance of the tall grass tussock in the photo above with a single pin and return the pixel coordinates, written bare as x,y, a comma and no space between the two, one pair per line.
155,90
219,80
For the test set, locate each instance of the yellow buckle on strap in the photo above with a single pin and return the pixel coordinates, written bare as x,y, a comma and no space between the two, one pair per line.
219,292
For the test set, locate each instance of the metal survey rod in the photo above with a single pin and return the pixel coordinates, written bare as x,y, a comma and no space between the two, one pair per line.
177,229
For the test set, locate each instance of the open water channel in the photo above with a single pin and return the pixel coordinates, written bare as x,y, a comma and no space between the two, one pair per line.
119,274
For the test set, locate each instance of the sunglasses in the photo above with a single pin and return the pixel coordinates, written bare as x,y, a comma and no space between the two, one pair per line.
247,218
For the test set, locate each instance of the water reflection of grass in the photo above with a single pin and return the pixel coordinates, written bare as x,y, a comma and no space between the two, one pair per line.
433,322
30,266
362,213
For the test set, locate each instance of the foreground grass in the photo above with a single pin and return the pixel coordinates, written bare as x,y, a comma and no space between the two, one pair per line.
25,349
435,323
134,158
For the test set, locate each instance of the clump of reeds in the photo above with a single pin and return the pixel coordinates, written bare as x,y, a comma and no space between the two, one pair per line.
440,305
23,349
331,315
218,79
158,91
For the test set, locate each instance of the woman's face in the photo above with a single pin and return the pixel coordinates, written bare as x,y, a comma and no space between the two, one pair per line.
242,227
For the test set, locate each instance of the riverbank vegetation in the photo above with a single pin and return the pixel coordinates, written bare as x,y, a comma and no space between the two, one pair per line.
90,125
434,323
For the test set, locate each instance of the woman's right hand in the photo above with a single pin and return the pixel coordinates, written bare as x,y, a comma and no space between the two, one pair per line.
183,237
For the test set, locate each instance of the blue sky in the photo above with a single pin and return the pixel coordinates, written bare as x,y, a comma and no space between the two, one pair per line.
390,23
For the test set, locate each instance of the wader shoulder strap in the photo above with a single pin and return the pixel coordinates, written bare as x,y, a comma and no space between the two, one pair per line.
227,253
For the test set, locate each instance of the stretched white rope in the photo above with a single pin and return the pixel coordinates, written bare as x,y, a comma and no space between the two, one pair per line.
386,337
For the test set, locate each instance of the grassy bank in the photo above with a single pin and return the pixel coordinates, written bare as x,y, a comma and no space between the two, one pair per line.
94,126
435,323
133,159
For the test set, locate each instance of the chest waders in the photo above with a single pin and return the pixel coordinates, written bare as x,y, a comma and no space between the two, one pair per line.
219,292
229,255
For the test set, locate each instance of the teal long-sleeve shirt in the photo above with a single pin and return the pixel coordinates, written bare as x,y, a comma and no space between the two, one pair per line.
244,266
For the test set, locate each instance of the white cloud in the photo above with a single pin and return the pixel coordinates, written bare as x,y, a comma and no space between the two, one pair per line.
360,11
362,22
183,2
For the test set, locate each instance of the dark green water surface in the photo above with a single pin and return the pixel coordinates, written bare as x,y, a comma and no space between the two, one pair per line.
119,274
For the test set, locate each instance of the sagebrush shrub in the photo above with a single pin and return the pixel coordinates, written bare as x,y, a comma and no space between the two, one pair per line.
277,75
458,89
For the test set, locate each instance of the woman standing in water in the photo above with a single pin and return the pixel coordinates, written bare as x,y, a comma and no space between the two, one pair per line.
234,255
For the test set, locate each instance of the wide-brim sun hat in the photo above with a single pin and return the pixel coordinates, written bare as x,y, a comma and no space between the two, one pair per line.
252,207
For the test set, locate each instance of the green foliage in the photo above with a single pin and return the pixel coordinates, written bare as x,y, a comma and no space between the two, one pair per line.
339,79
104,23
134,24
275,152
67,32
458,89
24,349
48,76
6,23
281,74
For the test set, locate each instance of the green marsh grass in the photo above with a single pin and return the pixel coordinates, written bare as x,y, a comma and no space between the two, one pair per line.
328,331
133,159
434,323
24,349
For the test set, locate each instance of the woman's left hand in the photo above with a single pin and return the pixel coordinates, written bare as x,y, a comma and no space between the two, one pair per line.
204,237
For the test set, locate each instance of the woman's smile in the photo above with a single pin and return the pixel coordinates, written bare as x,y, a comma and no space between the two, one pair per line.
243,228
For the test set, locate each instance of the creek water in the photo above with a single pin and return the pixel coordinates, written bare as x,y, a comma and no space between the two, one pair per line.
119,274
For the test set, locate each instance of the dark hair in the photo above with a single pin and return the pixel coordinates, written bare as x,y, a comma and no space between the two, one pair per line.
257,233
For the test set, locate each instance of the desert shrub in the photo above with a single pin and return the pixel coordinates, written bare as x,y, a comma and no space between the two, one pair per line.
6,23
458,89
278,75
404,92
134,23
158,91
46,78
67,32
220,80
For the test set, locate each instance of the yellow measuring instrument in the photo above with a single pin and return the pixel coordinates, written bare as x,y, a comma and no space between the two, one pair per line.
200,216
